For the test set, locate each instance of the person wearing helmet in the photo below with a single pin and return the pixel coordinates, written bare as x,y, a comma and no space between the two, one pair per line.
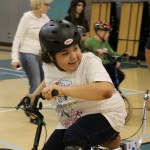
89,110
76,15
99,44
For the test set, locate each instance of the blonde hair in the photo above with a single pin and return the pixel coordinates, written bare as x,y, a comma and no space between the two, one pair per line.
35,4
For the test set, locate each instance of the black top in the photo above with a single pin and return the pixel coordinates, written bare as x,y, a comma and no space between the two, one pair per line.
79,22
148,44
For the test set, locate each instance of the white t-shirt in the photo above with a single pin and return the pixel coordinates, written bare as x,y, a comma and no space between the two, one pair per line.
27,36
69,109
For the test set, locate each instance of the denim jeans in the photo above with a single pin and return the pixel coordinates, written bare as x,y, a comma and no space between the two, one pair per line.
89,130
32,66
115,74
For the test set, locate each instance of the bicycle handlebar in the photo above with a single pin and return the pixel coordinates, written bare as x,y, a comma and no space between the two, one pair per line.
26,101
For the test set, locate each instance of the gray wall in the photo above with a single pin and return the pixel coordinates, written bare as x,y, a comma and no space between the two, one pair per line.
12,10
10,13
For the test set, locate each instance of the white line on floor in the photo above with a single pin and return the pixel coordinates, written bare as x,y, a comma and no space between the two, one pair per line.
10,146
10,110
12,70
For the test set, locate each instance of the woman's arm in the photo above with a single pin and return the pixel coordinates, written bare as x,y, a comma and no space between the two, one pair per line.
22,27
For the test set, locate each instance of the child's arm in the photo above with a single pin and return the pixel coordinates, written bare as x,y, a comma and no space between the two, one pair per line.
37,91
92,91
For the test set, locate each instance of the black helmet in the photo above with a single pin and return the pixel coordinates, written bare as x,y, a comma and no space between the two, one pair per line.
57,35
102,25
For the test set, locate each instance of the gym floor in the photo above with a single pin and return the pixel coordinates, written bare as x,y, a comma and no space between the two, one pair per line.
17,133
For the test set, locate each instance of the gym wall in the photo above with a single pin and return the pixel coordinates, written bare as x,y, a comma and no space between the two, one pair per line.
12,10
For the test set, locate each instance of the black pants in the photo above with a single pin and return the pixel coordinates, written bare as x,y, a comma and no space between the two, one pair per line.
88,131
116,75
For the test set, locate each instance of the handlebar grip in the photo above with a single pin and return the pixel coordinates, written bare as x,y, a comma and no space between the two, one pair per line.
55,92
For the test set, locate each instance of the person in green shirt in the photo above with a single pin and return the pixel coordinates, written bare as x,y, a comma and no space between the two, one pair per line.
99,45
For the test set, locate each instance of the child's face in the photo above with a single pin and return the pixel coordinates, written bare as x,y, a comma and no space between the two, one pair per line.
104,34
69,59
79,7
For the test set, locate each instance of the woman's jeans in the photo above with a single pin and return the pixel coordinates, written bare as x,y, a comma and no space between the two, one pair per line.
32,66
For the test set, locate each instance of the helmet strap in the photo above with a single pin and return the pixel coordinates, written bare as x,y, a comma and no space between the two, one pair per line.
57,66
101,37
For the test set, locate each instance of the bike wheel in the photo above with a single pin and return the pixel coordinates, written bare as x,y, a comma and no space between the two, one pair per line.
129,108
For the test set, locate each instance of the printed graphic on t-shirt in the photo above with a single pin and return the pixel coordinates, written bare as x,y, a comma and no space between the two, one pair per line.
64,107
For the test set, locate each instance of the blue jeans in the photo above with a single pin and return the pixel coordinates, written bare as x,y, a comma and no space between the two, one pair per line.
32,66
87,131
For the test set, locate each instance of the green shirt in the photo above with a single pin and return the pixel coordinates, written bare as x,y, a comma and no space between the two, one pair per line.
93,45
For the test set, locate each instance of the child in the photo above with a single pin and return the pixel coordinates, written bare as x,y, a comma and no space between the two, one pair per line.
88,108
99,44
76,15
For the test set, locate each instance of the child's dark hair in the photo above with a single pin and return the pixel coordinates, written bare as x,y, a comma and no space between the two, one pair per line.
45,56
72,10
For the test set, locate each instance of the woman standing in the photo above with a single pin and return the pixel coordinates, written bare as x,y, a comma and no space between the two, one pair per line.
26,46
76,15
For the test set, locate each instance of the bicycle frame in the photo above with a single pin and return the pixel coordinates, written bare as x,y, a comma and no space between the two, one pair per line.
146,97
35,111
39,130
137,144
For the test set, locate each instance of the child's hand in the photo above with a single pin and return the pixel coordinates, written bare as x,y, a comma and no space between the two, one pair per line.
32,97
47,91
102,51
118,64
127,54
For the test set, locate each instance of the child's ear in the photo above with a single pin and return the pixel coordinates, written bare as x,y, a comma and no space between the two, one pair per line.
51,58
